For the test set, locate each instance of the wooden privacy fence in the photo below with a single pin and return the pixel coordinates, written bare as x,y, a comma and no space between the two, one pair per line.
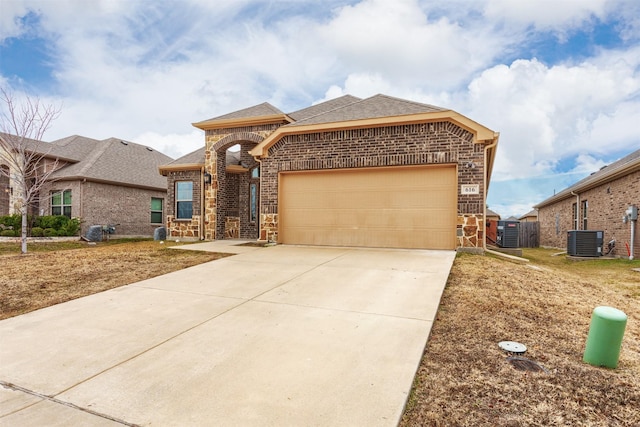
529,234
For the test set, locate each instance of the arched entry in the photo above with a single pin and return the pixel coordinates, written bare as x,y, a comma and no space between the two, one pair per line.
238,191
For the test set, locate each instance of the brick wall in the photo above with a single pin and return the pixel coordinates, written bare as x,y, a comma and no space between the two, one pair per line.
184,228
606,206
227,198
416,144
101,204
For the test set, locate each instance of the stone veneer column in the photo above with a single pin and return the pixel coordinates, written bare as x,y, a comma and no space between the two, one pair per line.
211,191
470,231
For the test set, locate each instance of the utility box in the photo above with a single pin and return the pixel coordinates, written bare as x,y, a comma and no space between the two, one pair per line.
508,234
586,243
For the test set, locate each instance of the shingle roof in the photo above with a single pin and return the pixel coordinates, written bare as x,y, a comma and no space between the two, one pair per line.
264,109
605,173
194,158
44,148
492,213
374,107
113,160
533,212
197,158
323,107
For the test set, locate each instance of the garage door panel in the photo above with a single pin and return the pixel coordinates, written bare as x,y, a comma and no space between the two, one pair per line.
403,207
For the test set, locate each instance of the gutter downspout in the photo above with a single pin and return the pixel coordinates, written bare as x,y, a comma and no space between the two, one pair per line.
486,177
633,238
577,224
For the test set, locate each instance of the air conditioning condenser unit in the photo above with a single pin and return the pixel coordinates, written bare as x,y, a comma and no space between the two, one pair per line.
587,243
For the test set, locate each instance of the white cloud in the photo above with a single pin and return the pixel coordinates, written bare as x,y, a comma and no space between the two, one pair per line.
586,164
173,145
144,71
546,113
558,15
398,41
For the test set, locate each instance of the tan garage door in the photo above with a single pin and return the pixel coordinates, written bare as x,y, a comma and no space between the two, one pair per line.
394,207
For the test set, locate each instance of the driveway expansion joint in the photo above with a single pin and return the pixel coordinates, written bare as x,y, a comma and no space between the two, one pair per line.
52,399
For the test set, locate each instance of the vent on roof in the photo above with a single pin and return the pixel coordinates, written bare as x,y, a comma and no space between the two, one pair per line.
149,148
124,142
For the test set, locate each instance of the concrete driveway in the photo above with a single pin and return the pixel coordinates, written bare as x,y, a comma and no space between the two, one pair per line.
274,336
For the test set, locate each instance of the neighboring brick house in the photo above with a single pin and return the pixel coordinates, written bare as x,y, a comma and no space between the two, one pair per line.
598,202
375,172
101,182
531,216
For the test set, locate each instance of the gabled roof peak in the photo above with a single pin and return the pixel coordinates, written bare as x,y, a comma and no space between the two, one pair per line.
374,107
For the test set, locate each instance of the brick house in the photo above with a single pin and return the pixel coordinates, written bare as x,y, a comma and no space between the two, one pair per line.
102,182
531,216
375,172
598,202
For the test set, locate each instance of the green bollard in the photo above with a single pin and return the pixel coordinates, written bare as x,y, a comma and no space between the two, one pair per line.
605,337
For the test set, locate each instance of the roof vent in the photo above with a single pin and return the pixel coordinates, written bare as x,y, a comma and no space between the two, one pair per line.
149,148
124,142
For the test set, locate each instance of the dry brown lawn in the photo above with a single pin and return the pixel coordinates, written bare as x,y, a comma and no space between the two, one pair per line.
464,378
51,273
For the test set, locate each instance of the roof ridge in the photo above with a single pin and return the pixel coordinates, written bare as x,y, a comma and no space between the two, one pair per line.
331,110
395,98
95,154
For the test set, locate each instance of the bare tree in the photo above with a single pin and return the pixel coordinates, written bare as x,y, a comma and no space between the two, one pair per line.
28,161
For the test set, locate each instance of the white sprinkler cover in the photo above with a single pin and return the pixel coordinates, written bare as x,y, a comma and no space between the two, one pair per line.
512,347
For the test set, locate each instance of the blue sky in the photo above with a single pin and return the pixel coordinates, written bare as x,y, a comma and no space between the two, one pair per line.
559,79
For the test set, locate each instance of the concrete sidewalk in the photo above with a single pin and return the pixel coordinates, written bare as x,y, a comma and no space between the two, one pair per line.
280,335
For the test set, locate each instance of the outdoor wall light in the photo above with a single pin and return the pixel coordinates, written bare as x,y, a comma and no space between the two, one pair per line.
207,178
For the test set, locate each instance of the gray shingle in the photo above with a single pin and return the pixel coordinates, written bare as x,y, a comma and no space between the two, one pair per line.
45,148
323,107
197,158
605,170
114,160
377,106
264,109
194,158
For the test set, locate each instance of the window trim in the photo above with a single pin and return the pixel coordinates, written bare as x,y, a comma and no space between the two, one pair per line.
584,208
177,200
62,204
161,211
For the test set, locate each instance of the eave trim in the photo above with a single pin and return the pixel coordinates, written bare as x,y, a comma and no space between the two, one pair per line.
244,121
180,167
481,133
606,177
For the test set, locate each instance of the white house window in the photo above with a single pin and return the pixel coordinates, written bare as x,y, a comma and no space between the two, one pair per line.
585,206
184,199
156,210
61,203
574,215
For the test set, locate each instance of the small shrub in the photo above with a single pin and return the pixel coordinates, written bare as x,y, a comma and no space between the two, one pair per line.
11,221
52,221
37,232
8,233
50,232
71,228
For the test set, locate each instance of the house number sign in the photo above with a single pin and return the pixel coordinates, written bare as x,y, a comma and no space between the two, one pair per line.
470,189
